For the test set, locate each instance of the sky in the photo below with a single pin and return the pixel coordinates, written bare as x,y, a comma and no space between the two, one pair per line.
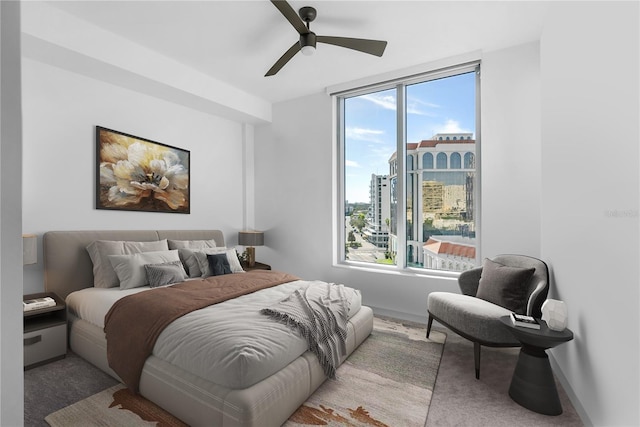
439,106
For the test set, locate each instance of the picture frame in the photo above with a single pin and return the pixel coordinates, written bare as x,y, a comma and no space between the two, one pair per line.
138,174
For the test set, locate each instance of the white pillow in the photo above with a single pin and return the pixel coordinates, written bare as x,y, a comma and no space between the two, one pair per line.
130,268
191,244
103,274
203,262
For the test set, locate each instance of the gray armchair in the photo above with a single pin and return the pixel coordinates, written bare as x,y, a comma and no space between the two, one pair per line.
504,284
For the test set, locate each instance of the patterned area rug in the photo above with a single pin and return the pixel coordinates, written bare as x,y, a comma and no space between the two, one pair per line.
115,406
387,381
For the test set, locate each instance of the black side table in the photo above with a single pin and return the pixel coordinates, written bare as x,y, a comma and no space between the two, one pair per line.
532,384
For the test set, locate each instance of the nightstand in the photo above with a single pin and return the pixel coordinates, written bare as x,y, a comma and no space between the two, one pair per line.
256,266
45,332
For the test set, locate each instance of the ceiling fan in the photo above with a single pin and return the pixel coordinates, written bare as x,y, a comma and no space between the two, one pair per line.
308,39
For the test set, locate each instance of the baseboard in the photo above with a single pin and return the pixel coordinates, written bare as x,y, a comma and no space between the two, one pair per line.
569,390
400,315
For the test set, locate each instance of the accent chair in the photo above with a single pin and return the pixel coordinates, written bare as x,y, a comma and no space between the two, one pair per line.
504,284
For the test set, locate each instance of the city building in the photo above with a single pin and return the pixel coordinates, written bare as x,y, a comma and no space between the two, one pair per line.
440,200
453,253
379,214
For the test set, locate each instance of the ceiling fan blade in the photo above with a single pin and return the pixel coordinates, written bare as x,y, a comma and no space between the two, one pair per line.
291,15
284,59
372,47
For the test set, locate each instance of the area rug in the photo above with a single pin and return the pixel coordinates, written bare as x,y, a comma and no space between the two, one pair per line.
115,406
387,381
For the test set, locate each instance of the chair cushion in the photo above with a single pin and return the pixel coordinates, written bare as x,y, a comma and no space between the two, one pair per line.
474,317
504,285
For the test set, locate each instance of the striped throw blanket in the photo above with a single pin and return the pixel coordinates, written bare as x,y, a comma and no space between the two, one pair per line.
319,313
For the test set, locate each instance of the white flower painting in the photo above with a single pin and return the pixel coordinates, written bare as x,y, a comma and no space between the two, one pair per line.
141,175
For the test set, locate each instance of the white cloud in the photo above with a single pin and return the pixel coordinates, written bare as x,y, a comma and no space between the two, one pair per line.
387,102
352,164
419,107
451,126
414,105
362,134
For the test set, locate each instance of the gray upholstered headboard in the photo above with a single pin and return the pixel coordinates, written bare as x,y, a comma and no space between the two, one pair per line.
68,267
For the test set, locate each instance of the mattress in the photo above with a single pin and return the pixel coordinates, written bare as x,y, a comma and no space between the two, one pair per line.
230,343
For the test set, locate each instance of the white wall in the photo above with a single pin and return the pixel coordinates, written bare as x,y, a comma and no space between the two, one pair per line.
64,40
61,110
590,199
510,151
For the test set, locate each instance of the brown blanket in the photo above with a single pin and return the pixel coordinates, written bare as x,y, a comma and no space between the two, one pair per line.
134,323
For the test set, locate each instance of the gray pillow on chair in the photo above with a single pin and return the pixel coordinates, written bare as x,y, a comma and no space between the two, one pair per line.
505,286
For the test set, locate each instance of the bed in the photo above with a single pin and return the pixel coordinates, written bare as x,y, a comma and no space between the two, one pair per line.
211,398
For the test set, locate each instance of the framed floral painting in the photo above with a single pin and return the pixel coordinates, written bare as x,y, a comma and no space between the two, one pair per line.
137,174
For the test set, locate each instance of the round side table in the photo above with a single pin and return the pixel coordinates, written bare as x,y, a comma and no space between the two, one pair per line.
532,384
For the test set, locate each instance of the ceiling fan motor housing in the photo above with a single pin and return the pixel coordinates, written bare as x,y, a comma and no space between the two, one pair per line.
308,39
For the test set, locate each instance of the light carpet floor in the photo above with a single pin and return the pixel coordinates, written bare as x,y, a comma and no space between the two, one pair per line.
461,400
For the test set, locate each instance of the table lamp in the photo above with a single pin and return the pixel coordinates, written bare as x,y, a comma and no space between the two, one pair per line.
249,239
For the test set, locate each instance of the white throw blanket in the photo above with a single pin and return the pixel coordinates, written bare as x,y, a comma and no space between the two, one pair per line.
321,318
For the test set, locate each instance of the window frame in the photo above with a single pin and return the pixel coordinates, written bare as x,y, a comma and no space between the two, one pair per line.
400,85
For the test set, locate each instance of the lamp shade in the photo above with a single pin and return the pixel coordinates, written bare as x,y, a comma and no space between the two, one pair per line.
29,249
251,238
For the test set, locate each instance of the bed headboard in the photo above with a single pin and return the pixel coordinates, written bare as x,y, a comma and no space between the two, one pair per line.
68,267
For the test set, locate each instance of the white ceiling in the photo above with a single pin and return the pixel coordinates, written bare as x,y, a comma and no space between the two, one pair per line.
238,41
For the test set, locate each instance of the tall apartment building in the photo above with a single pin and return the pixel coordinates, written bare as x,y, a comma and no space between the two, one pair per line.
377,230
440,202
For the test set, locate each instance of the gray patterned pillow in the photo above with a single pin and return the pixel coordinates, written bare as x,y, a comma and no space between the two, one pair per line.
165,274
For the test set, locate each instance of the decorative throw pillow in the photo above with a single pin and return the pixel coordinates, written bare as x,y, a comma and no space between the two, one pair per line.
103,274
130,268
505,286
192,262
219,264
165,274
203,262
189,261
191,244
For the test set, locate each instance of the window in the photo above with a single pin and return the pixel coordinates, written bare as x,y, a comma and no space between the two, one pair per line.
407,166
469,161
427,161
455,161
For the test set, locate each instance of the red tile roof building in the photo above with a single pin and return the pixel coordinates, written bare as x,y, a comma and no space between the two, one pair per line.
449,255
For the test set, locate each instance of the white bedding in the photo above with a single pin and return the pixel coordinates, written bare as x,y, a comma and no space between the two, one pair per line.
230,343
